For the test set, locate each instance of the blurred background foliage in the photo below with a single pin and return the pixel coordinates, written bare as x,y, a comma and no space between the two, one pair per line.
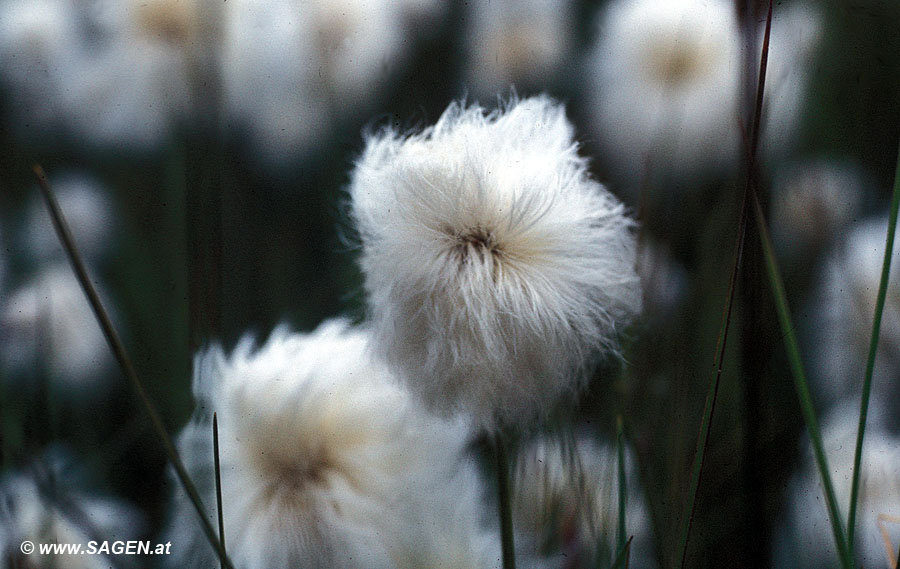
201,223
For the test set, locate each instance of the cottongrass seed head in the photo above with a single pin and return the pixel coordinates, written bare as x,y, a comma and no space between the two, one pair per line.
496,269
843,308
49,501
325,462
664,84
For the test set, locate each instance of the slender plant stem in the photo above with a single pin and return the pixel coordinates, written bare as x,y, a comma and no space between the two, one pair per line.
623,558
504,503
218,469
713,391
806,405
623,489
118,349
873,350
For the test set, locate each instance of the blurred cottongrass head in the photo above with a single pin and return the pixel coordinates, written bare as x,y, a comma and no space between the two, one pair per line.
48,327
326,462
844,306
519,43
684,60
806,540
497,270
47,501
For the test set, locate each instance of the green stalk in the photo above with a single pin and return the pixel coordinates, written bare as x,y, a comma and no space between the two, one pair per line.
218,470
806,405
504,504
623,493
713,391
121,355
624,556
873,348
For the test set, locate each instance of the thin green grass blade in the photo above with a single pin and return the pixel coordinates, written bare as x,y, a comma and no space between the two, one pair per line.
713,391
624,556
806,405
504,503
623,490
124,361
218,470
873,348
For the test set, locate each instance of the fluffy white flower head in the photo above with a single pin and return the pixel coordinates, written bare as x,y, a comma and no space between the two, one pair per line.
325,461
812,203
497,270
666,84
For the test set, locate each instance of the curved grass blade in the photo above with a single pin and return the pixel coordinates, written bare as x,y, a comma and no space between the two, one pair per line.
713,391
218,470
504,503
873,348
118,349
624,556
623,490
806,405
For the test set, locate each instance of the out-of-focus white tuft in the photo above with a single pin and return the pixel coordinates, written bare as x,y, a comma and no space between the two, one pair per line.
812,203
517,43
44,504
321,63
806,539
665,86
566,503
797,31
843,309
271,43
326,462
48,327
114,74
133,88
36,44
88,212
663,279
497,270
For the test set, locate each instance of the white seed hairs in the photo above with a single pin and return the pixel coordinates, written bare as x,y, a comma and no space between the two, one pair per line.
497,270
326,462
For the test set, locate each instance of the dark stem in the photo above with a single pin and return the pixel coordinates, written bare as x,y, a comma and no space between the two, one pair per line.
504,503
118,349
218,482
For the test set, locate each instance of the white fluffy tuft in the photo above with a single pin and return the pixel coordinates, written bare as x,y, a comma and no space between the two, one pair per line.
665,84
843,309
47,324
326,462
496,269
47,502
